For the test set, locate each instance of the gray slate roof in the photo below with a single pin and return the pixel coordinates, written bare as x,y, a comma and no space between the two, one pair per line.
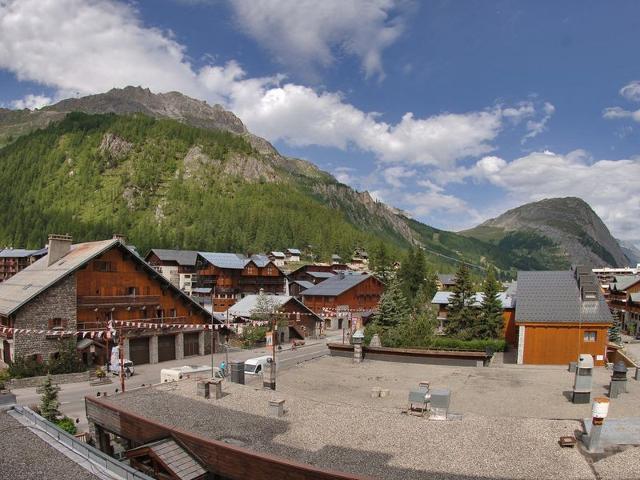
623,282
234,261
278,254
304,284
336,285
321,274
553,296
181,257
39,276
21,253
293,251
177,459
246,306
443,298
446,278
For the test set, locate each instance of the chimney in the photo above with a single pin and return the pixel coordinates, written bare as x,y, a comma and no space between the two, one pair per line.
121,237
59,246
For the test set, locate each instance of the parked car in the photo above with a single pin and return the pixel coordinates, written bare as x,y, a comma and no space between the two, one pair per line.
256,366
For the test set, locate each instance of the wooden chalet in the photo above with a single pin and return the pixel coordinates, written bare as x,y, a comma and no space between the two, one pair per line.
13,260
624,298
179,266
82,287
232,276
559,315
344,295
302,321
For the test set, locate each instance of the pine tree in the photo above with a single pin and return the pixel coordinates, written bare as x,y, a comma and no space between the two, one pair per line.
462,314
381,263
393,307
615,331
490,316
49,400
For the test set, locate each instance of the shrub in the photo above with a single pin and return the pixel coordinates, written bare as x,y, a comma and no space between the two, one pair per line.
23,367
67,424
252,335
445,343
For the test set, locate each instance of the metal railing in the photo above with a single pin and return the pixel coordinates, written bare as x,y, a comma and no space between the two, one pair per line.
87,452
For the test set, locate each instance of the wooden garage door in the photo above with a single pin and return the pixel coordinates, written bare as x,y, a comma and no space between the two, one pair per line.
191,344
166,348
139,350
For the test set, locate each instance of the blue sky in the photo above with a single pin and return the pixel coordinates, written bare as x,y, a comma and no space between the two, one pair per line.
453,111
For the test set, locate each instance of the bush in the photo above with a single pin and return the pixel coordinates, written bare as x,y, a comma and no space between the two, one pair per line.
252,335
444,343
23,367
67,424
67,361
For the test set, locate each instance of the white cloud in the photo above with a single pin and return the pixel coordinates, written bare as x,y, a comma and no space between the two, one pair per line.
609,186
31,102
631,91
305,34
395,176
614,113
536,127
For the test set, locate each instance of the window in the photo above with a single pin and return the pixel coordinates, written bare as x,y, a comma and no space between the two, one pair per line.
57,323
132,290
590,337
102,266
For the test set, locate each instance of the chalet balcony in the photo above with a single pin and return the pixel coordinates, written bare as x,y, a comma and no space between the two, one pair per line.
102,325
118,301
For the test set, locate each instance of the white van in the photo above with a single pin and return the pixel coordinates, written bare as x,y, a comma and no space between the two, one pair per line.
188,371
256,366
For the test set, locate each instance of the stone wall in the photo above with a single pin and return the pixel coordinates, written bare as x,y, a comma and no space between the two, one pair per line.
58,301
56,379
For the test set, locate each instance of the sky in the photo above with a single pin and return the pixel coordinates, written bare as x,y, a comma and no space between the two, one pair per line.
453,111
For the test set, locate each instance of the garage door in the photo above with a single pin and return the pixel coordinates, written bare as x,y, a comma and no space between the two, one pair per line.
139,350
166,348
191,344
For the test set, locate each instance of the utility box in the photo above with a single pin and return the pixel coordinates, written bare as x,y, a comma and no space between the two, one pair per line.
440,399
203,388
583,381
236,370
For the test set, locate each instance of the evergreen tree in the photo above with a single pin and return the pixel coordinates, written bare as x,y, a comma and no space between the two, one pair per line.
381,263
49,400
413,274
615,330
490,316
462,315
393,307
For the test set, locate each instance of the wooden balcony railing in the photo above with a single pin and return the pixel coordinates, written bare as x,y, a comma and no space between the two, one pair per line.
118,300
102,325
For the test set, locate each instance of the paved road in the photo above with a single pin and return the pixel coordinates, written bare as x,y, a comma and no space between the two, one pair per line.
72,395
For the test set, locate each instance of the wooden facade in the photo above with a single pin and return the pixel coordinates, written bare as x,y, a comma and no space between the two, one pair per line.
509,329
14,260
228,285
361,297
561,343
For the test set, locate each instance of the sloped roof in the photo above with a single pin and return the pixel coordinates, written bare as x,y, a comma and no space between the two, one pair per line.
278,254
443,298
321,274
21,253
623,282
553,296
234,261
293,251
246,306
39,276
336,285
181,257
635,297
304,283
446,278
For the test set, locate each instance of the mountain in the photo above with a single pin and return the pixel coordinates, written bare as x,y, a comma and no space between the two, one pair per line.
175,172
631,251
553,231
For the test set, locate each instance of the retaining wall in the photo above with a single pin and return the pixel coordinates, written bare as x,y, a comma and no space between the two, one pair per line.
56,379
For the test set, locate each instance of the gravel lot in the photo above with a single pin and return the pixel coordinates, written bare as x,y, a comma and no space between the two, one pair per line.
26,457
511,421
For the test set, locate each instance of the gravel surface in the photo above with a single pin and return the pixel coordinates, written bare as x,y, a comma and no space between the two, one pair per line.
24,456
382,444
624,465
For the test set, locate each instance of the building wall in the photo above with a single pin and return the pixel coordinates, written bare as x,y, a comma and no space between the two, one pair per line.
558,344
364,296
58,301
150,294
509,329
